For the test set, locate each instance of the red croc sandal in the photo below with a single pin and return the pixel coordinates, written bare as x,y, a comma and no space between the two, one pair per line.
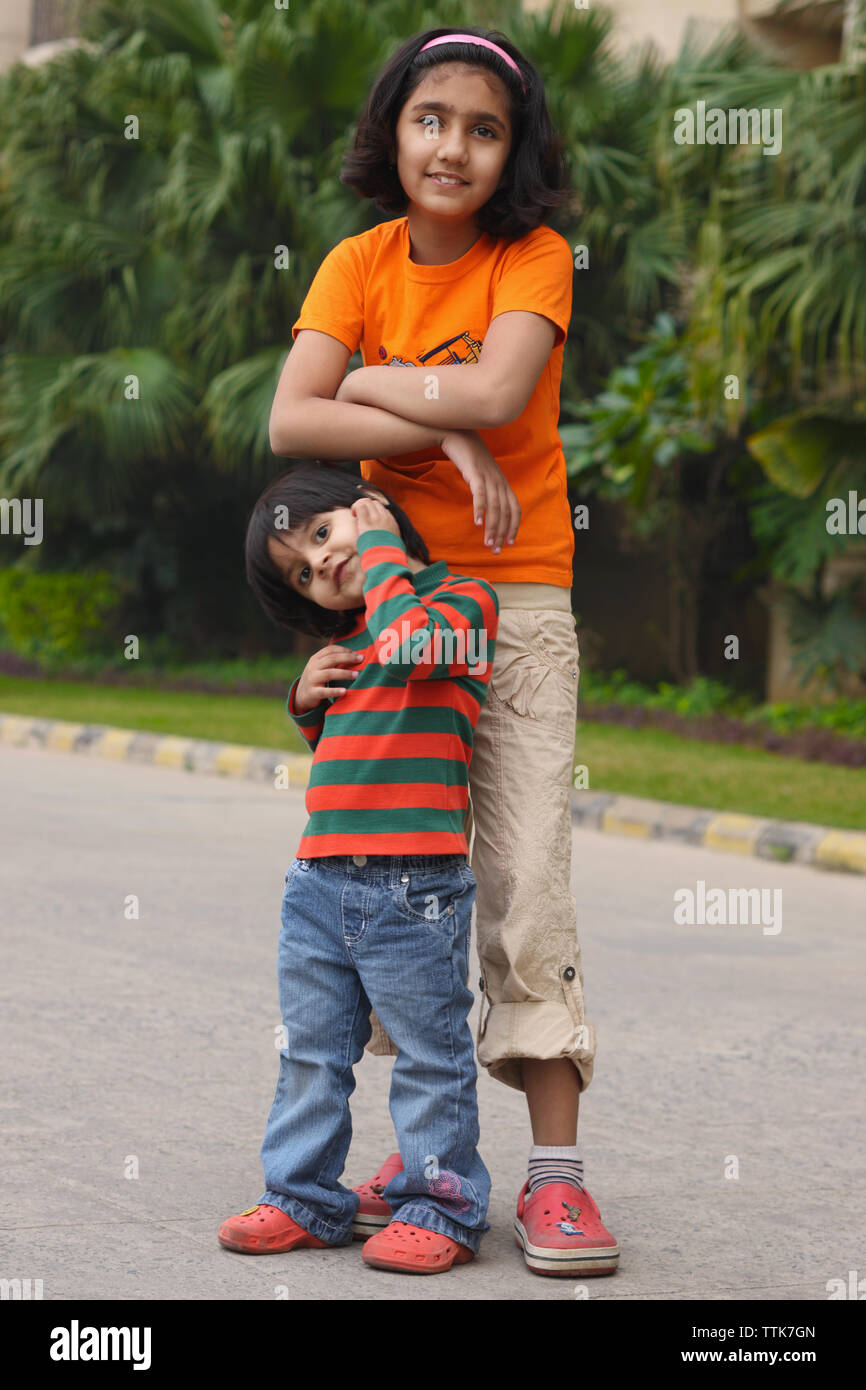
373,1214
560,1231
265,1230
414,1250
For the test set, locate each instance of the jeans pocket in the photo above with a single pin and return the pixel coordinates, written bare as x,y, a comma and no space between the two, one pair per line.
432,897
290,877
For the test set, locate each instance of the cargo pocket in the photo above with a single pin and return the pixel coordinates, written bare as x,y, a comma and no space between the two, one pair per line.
527,681
553,635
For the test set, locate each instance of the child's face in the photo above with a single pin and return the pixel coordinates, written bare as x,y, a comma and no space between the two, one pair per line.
460,141
320,559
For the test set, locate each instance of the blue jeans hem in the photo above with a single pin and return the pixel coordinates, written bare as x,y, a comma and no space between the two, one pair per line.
312,1223
431,1219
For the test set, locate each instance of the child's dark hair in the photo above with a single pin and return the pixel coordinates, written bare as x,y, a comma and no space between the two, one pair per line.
304,491
535,173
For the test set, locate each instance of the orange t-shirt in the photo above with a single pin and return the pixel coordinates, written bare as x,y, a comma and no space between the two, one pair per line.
368,293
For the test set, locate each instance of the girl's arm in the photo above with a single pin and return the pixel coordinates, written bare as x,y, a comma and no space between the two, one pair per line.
517,348
307,422
313,427
429,396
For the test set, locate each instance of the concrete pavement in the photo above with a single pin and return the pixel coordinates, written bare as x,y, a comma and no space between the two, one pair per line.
784,841
140,1061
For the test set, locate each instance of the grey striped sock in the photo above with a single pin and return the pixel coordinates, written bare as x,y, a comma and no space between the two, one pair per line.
554,1163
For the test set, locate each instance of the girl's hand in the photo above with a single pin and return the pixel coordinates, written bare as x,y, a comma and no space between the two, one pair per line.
491,492
373,515
326,665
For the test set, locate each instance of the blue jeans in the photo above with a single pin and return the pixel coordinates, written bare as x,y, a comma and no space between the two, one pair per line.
389,932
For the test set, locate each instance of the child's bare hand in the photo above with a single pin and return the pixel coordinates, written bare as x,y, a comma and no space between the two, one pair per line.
332,663
373,515
491,492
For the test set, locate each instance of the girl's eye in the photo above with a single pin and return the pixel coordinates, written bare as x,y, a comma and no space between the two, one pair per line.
305,570
431,117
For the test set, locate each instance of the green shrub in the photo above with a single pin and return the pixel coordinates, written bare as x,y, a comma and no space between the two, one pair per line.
789,717
55,617
703,696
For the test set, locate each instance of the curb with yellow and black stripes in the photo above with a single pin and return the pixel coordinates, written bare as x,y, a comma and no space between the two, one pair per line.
783,841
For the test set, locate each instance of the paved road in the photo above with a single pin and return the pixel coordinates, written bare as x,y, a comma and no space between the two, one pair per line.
150,1043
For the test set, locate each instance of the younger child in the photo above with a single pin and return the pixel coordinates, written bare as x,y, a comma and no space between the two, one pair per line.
376,908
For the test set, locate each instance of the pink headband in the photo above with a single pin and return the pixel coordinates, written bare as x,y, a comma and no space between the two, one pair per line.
483,43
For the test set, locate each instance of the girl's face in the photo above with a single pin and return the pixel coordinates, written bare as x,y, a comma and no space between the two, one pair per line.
455,122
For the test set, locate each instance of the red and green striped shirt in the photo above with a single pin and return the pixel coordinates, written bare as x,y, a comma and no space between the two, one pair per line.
391,756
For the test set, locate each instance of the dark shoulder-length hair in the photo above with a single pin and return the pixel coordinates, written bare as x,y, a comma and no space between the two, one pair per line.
288,504
536,174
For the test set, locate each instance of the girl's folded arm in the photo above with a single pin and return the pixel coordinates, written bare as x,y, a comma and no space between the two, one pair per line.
479,395
306,421
453,397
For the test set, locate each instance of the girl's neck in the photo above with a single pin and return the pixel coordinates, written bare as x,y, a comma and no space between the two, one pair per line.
438,243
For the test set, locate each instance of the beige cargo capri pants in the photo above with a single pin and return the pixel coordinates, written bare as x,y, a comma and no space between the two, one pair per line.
520,803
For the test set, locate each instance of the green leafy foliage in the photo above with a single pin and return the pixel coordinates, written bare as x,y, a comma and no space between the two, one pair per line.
642,422
145,321
828,635
706,697
57,617
794,451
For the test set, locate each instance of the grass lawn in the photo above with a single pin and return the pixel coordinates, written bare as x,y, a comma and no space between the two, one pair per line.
639,762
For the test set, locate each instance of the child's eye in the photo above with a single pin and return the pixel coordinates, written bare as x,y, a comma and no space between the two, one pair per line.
431,117
305,570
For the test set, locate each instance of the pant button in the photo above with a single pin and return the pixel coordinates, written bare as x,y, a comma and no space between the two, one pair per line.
359,859
568,972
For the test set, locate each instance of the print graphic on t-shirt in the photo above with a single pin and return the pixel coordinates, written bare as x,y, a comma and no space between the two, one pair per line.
450,355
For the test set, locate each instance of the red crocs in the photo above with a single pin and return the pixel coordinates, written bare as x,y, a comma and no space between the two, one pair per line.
413,1250
374,1213
265,1230
560,1230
